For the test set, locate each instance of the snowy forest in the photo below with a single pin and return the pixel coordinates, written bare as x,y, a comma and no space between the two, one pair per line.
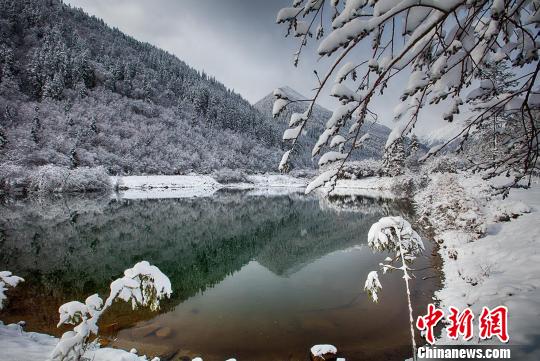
76,93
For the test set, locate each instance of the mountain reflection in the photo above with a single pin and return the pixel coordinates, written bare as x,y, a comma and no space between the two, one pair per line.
69,248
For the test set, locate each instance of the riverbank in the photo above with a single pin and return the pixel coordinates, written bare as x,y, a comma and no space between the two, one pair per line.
196,185
490,250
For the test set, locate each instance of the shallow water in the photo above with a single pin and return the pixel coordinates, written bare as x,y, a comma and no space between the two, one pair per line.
254,277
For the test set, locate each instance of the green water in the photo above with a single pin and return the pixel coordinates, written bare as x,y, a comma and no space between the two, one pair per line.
255,277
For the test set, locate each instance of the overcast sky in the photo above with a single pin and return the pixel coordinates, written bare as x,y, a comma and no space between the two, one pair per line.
236,41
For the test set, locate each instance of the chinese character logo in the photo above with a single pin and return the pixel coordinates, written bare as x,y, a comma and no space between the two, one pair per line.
491,323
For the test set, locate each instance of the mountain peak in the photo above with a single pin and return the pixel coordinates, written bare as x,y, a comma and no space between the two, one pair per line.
291,93
264,104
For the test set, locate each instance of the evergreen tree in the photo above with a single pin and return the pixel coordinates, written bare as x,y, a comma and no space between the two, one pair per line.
3,138
36,128
394,158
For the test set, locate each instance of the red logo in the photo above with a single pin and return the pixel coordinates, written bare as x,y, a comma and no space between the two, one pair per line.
491,323
494,323
460,324
429,321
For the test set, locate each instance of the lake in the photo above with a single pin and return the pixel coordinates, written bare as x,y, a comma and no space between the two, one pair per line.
254,277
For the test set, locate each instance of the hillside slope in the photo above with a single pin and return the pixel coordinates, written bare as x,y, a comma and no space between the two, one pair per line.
75,92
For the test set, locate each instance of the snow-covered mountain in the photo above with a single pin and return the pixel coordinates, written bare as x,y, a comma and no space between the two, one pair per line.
374,147
75,92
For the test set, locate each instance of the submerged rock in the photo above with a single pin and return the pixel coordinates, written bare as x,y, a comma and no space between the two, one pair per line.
164,332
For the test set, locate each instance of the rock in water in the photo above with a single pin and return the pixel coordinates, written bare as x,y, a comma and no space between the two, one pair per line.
323,353
163,332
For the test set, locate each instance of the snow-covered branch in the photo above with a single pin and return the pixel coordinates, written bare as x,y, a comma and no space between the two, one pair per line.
143,285
7,279
447,49
395,235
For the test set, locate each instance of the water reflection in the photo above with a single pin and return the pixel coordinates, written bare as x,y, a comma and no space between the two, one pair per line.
253,276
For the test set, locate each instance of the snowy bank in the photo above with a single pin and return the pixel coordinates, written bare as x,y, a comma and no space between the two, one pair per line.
165,186
194,185
380,187
490,250
17,344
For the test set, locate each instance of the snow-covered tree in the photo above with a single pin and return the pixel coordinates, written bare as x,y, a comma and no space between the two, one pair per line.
133,107
396,236
143,285
7,279
3,138
394,158
35,131
444,46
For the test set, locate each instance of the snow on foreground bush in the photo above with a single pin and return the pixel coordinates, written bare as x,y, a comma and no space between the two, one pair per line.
7,279
445,204
143,285
54,179
395,235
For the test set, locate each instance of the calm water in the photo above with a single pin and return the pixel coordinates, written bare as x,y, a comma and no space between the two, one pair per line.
258,278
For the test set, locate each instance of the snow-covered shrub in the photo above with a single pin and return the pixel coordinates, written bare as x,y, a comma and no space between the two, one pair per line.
445,205
396,236
48,179
86,179
361,169
503,211
227,175
143,285
7,279
304,173
13,177
446,163
408,183
55,179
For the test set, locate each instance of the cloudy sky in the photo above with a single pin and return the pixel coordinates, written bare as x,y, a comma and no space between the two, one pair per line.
236,41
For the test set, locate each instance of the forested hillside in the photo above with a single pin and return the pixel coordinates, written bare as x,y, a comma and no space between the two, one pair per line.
75,93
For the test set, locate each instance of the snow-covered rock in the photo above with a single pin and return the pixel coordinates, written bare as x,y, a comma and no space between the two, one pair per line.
323,352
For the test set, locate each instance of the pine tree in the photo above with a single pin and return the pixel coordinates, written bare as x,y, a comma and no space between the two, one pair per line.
394,158
36,128
54,87
74,158
3,138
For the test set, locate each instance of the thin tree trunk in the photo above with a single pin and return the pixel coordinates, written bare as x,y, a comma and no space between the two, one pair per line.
406,277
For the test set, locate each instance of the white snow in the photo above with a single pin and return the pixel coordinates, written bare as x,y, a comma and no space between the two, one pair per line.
167,186
275,181
292,133
373,285
18,345
379,187
321,350
7,279
166,181
502,268
24,346
331,157
344,71
193,186
286,14
337,140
